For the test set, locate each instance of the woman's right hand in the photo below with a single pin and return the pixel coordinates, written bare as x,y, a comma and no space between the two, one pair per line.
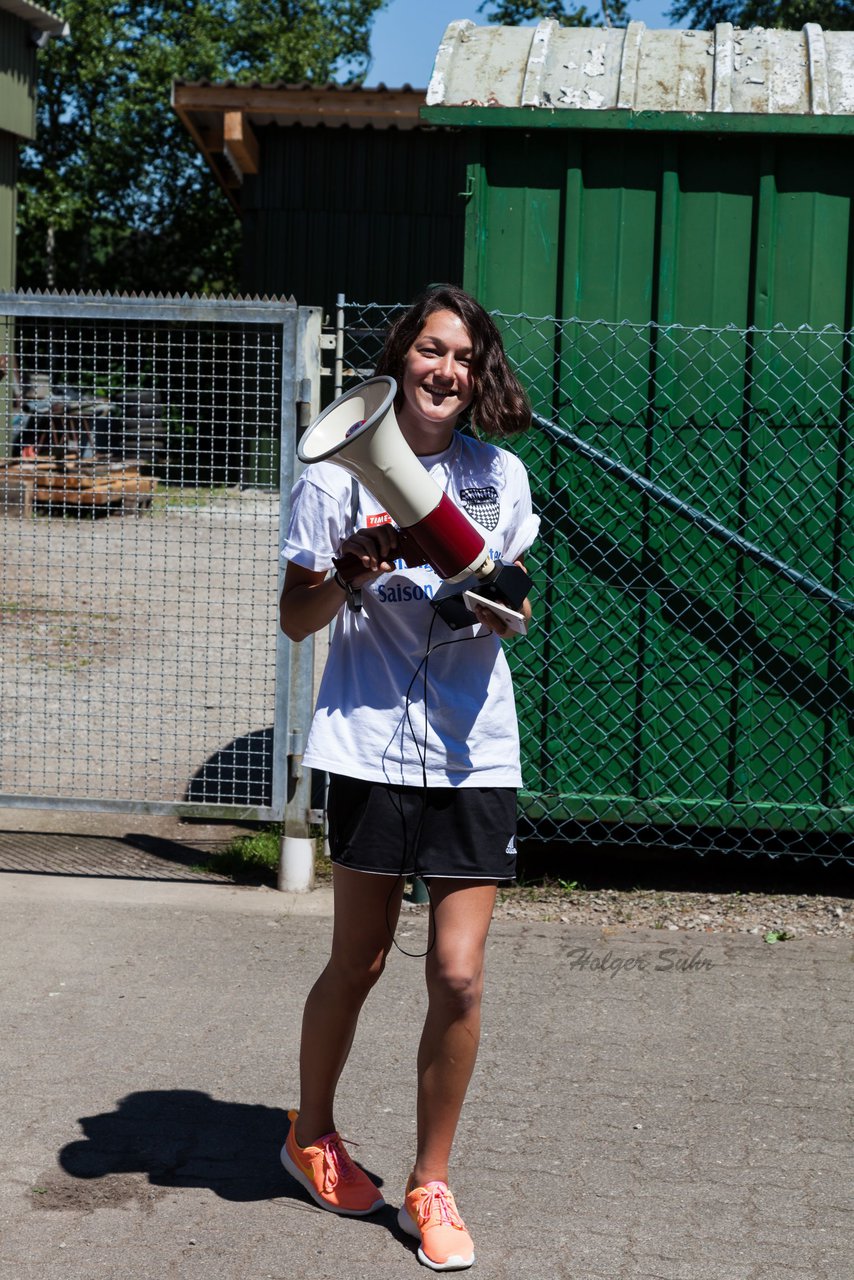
366,554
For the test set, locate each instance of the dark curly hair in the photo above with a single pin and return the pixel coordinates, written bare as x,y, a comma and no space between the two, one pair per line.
499,406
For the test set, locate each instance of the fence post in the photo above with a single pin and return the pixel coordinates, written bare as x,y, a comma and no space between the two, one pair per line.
338,384
8,406
296,851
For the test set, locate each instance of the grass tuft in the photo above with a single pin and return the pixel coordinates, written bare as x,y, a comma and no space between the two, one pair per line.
254,858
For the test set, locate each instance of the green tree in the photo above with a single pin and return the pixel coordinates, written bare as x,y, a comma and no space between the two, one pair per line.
113,194
519,13
833,15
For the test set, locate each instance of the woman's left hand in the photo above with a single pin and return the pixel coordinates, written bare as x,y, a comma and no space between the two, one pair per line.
494,622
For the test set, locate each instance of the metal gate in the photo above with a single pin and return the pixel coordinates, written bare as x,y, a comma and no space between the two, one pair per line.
143,484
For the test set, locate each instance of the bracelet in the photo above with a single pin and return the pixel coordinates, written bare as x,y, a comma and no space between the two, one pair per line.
354,594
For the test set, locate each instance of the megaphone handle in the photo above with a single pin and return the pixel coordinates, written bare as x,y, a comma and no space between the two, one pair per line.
347,567
409,550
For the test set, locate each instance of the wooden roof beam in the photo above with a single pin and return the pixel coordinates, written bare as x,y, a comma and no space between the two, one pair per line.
240,143
307,105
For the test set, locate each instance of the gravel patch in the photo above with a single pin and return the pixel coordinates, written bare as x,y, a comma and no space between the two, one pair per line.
612,887
794,915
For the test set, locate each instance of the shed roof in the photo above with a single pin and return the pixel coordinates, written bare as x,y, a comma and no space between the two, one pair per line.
306,103
222,119
635,69
39,18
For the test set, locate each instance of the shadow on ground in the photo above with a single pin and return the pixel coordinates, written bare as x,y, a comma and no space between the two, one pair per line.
132,856
156,1140
185,1138
609,866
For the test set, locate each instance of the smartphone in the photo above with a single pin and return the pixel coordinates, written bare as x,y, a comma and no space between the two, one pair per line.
515,621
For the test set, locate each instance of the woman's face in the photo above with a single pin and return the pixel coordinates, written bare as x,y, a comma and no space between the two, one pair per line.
437,382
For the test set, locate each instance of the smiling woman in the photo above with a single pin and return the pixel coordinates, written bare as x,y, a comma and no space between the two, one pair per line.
423,766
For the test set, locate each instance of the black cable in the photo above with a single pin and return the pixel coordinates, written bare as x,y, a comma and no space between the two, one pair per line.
422,757
413,955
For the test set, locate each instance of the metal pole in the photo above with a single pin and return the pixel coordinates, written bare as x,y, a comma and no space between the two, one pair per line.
296,851
339,345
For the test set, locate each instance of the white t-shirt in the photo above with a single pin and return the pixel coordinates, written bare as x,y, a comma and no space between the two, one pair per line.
369,721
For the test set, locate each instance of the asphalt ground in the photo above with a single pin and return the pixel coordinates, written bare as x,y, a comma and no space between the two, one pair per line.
644,1107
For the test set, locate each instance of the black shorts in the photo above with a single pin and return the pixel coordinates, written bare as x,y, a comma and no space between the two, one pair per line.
466,833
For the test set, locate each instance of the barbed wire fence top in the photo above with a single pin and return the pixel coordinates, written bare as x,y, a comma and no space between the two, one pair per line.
688,678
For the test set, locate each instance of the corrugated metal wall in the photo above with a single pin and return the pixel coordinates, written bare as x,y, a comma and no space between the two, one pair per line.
706,236
376,214
8,206
709,229
17,77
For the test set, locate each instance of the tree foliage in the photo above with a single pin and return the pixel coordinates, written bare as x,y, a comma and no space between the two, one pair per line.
833,15
519,13
114,195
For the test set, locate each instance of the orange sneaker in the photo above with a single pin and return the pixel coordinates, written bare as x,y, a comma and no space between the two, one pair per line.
431,1215
329,1175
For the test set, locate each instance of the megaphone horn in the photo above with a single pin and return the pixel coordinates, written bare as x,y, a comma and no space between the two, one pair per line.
359,432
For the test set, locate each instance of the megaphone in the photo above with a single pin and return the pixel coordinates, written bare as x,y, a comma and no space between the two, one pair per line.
359,432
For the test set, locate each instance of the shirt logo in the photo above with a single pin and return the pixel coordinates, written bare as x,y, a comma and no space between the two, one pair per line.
381,517
482,505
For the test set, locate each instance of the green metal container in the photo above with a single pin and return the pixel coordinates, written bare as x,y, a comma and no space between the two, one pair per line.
683,203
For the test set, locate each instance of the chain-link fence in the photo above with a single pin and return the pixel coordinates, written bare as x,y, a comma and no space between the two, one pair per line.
141,667
688,680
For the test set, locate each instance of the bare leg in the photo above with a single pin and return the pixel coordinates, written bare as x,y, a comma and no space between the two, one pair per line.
462,911
365,919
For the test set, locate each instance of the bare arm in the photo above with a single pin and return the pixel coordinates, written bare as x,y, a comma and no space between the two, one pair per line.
309,601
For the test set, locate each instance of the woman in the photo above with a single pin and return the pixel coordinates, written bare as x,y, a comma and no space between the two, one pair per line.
416,726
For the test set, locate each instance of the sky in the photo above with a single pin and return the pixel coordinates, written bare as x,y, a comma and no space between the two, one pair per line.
407,33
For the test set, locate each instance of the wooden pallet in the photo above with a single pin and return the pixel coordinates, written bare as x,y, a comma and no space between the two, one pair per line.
77,487
17,485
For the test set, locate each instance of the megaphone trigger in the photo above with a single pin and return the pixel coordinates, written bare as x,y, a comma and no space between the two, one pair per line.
406,548
348,567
